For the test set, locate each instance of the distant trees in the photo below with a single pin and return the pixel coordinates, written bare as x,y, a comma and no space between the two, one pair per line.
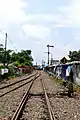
74,55
21,58
5,57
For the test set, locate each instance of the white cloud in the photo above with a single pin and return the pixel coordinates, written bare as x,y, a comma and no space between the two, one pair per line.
71,13
11,12
66,16
75,12
38,26
60,51
57,20
40,17
36,31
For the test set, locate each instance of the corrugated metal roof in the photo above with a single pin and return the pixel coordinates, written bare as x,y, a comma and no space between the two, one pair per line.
68,63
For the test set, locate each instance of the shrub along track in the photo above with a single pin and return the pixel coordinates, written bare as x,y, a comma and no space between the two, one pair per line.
34,104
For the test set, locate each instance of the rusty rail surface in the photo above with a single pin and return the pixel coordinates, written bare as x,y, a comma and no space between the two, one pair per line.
22,103
52,117
16,87
17,81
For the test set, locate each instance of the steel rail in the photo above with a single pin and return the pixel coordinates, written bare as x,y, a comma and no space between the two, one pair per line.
15,88
17,81
22,103
52,117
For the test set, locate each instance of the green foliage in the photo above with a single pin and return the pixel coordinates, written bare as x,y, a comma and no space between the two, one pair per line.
2,67
74,55
19,59
12,71
17,63
2,57
5,57
22,58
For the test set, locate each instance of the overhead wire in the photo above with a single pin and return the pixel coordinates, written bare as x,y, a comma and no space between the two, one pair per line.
12,43
9,40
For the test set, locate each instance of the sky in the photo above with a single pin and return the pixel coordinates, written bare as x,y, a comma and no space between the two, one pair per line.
32,24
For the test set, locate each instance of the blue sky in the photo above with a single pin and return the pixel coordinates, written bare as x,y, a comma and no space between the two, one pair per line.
32,24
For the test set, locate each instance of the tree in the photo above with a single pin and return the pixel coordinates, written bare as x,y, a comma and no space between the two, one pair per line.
22,58
8,57
2,59
74,55
14,57
5,57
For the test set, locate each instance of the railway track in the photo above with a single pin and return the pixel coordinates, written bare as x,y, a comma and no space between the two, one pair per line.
22,82
37,104
51,113
21,106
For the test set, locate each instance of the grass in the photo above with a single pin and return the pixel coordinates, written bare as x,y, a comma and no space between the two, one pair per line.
76,88
59,81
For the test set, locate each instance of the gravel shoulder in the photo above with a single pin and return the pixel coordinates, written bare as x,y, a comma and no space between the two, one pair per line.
10,101
35,108
6,82
13,86
64,108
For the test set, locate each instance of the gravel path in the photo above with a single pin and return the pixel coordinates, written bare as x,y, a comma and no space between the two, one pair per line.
9,102
13,86
35,108
4,82
64,108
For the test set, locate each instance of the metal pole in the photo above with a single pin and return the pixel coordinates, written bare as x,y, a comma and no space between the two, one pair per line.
5,47
49,52
5,42
51,58
48,55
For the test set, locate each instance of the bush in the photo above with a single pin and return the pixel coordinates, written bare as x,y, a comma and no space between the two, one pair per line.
12,71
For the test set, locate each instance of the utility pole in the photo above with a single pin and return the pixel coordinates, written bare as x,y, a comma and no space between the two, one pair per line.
36,63
51,58
5,42
49,52
5,47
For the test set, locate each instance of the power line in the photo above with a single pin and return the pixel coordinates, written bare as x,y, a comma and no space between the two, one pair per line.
12,43
9,40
